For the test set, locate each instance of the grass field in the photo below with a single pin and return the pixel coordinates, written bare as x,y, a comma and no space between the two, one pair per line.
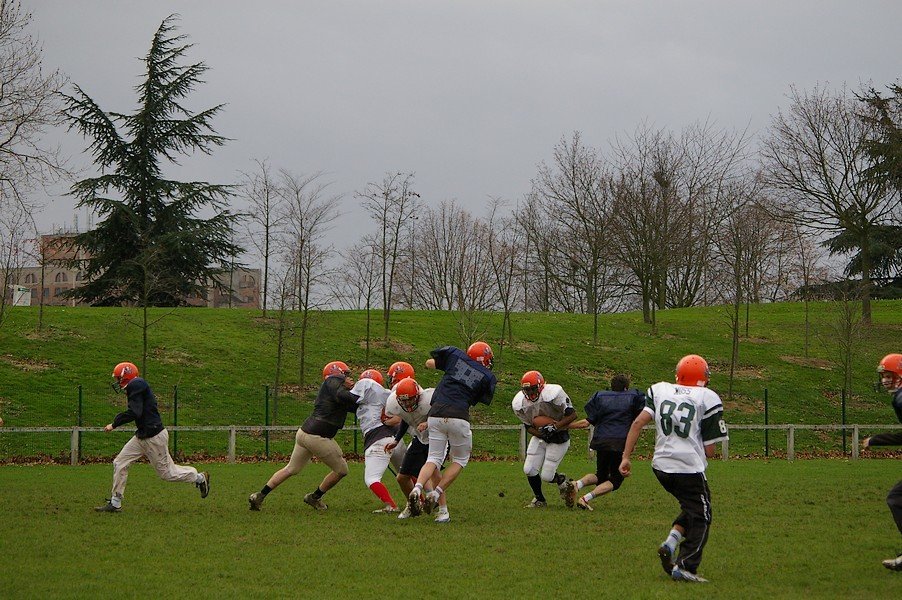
807,529
220,360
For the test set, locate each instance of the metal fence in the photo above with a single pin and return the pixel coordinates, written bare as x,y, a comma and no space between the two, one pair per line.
263,442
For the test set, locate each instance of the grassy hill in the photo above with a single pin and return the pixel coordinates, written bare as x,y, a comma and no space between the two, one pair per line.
222,359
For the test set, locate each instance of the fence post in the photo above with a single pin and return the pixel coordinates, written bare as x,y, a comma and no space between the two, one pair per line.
766,430
232,444
73,446
855,443
522,443
175,419
266,421
844,421
80,421
791,443
725,449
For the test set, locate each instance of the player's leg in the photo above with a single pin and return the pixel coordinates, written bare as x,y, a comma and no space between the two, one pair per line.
608,476
157,451
668,548
300,456
375,461
460,440
131,452
328,451
894,501
438,442
532,466
691,490
414,459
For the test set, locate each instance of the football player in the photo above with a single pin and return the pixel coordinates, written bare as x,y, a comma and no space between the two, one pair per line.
410,403
468,380
377,433
550,441
688,421
890,372
151,439
611,412
316,437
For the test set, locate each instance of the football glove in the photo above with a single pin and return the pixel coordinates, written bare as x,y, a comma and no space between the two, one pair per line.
548,430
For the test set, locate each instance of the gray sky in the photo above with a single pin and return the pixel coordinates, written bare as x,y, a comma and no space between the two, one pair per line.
468,95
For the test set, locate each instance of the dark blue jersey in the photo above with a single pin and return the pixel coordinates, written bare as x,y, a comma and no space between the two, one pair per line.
465,383
142,409
612,413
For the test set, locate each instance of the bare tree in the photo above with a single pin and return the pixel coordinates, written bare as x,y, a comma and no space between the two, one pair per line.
842,334
738,245
359,281
261,191
391,203
505,248
14,223
577,198
816,158
29,105
307,218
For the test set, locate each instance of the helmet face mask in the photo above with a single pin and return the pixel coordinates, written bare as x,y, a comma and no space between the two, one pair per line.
890,372
531,384
123,373
408,394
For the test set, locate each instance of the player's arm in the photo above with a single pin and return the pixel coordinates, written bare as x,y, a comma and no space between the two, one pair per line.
581,424
883,439
430,363
390,420
632,437
134,410
569,417
713,429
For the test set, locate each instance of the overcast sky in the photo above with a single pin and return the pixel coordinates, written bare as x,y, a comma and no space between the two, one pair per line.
470,96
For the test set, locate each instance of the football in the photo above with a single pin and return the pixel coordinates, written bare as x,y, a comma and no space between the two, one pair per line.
541,421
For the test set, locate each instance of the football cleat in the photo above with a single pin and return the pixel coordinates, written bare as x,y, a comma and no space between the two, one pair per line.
204,486
415,502
431,501
405,514
679,574
388,508
255,500
568,493
443,516
108,507
536,504
893,564
666,556
315,502
583,505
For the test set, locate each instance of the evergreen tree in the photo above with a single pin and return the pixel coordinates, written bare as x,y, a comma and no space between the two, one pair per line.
152,247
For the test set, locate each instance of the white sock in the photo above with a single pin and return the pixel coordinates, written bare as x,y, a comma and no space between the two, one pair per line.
200,478
588,497
443,510
673,540
438,490
418,486
579,484
116,501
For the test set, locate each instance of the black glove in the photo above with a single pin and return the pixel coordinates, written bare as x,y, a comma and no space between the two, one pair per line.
548,430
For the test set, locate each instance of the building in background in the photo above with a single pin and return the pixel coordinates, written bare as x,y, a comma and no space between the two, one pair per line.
54,275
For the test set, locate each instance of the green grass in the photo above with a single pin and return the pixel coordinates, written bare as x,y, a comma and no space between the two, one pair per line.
220,361
809,529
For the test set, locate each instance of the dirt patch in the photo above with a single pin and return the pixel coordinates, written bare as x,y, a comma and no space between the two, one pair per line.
743,405
174,357
755,340
31,365
524,346
813,363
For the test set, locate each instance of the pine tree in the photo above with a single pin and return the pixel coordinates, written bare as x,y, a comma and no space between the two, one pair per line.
151,248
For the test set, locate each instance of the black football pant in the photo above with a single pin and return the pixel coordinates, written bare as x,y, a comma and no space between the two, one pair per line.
607,467
691,490
894,501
